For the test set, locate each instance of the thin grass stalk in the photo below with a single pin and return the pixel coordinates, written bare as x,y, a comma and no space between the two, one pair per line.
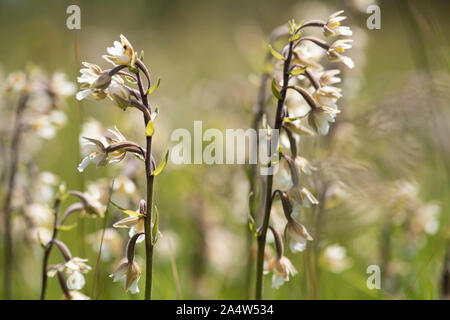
98,262
80,121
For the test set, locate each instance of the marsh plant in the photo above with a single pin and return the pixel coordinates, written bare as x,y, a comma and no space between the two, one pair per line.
306,105
128,85
38,103
72,267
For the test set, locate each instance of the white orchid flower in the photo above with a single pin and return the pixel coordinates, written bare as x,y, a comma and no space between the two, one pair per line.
337,48
96,150
93,82
297,236
76,281
122,53
136,225
321,117
333,26
129,274
282,269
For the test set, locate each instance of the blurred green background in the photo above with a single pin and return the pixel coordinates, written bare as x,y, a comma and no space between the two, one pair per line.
394,127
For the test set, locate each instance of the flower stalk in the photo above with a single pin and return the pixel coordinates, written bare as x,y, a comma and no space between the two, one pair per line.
262,233
83,206
14,161
149,244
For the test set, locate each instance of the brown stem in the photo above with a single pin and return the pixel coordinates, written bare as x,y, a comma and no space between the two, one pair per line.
312,23
79,206
144,109
131,247
48,250
268,206
323,44
305,94
126,146
258,114
63,285
14,151
278,242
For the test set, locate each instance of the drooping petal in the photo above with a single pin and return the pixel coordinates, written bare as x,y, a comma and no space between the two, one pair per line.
277,281
84,163
76,281
83,94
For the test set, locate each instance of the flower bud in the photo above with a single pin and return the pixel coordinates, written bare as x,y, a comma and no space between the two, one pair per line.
119,94
295,174
287,204
103,81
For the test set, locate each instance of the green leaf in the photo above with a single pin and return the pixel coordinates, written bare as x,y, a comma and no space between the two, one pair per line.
116,205
287,120
155,227
251,225
40,241
276,54
251,221
292,26
133,69
150,129
161,166
131,213
141,56
130,80
295,37
296,72
275,91
153,88
67,227
139,156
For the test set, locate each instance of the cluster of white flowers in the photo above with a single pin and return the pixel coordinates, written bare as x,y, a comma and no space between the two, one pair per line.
45,97
97,84
421,217
308,95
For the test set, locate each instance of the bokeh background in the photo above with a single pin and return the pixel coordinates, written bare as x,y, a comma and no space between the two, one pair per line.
384,170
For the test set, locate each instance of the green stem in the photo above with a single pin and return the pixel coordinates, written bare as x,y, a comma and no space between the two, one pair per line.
148,217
